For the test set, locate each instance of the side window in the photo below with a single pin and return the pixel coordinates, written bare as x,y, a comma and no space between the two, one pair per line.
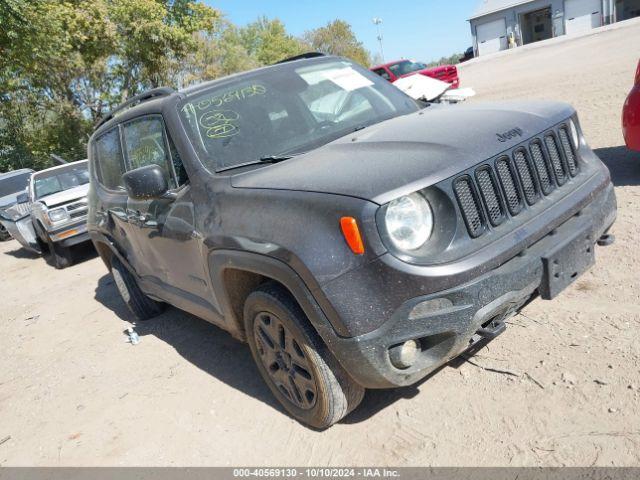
383,73
109,161
144,142
178,166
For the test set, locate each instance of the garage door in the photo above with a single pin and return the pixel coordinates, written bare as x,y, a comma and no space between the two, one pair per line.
582,15
492,37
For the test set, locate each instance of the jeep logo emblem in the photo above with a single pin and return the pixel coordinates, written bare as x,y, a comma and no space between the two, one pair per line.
503,137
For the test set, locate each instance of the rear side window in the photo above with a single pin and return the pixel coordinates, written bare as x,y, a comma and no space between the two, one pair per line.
109,161
383,73
145,144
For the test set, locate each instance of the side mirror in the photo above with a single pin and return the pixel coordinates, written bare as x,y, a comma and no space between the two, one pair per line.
146,182
22,198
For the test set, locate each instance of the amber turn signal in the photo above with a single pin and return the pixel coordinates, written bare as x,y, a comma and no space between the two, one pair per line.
352,235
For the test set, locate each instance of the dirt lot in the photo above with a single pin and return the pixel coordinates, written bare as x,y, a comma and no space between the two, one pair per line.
560,387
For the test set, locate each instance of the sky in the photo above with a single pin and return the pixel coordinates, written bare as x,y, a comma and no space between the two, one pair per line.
422,30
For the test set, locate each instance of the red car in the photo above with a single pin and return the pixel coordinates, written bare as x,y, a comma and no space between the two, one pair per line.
392,71
631,116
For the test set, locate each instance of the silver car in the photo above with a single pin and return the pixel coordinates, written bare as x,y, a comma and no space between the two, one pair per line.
12,184
52,213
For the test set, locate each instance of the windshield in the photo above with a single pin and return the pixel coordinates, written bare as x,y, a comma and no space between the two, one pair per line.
48,183
287,109
14,184
405,67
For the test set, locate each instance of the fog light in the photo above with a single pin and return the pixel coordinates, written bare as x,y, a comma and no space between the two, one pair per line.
404,355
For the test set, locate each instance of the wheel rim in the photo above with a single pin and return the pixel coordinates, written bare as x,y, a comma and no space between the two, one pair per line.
284,361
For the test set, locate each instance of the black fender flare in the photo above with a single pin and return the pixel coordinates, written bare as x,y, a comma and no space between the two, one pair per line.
100,238
219,261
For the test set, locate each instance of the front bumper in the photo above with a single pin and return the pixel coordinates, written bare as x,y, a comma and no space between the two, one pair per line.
445,323
70,234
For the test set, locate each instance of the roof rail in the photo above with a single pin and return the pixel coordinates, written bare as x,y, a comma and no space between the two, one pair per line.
142,97
302,56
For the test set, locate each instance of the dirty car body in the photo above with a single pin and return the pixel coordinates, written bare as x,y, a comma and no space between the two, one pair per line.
464,213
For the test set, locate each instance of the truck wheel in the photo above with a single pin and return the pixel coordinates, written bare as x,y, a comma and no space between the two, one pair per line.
4,235
41,237
60,255
296,365
142,307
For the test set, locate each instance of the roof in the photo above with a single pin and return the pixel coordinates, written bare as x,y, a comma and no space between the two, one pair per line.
487,7
58,167
15,172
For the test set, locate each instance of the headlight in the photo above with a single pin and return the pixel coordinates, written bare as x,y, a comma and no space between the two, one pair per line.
409,221
58,215
574,134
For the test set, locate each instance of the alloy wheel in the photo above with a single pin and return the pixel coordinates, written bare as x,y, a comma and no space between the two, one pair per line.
284,360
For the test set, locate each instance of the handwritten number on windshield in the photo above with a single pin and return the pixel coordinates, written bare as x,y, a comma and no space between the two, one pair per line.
220,123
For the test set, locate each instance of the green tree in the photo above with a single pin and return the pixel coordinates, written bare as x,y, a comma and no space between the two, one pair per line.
63,64
268,42
450,60
337,38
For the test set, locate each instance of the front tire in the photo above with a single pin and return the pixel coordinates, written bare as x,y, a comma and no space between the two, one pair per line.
4,234
298,368
142,307
61,256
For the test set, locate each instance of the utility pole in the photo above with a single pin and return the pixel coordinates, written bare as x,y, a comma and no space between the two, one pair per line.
377,21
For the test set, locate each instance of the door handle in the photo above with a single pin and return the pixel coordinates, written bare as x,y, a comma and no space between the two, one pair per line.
136,217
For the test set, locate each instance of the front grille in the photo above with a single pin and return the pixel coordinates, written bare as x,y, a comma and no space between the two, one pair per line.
468,201
75,206
509,185
542,168
517,182
78,214
490,195
556,159
527,179
567,148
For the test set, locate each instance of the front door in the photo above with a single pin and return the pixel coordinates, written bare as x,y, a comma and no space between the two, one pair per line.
164,228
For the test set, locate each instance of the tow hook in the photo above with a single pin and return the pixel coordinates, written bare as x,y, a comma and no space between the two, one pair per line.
606,240
492,329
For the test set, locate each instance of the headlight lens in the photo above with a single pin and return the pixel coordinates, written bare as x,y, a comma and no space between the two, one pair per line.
58,215
574,134
409,221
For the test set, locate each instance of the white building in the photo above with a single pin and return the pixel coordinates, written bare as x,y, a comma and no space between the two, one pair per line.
500,24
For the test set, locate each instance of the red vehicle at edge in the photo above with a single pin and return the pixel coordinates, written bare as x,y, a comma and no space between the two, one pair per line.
631,116
392,71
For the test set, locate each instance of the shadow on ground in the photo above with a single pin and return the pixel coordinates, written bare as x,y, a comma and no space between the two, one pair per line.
201,343
623,163
377,400
214,351
81,253
21,253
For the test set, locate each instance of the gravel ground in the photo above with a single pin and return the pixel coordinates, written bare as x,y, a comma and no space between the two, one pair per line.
560,387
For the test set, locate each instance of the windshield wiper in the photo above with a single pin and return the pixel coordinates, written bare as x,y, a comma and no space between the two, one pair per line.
265,159
275,158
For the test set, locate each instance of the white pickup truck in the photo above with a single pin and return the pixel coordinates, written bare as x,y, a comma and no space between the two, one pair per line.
52,213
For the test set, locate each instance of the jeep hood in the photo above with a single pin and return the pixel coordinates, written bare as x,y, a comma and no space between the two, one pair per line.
411,152
65,196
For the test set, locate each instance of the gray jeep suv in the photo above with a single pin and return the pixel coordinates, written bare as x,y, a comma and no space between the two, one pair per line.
353,238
